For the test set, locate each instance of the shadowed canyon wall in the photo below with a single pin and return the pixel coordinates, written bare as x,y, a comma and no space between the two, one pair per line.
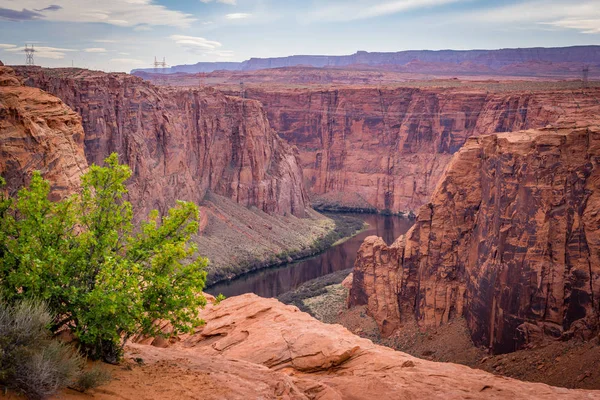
387,148
510,240
180,143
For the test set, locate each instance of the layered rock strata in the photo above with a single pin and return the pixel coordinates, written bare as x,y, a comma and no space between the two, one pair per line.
510,240
180,143
387,148
38,132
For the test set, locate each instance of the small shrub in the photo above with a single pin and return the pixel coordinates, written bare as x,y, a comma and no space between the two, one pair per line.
33,364
90,379
219,299
45,370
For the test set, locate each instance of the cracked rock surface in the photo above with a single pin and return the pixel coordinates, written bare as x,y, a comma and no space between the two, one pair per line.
313,360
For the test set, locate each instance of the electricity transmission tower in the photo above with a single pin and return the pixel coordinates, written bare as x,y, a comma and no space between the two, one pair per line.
242,90
29,55
162,64
585,73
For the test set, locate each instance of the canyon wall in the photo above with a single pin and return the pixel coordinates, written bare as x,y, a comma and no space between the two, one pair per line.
387,148
180,143
188,144
510,240
38,132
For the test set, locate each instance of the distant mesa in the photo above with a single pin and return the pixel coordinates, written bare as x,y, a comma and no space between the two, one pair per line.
484,59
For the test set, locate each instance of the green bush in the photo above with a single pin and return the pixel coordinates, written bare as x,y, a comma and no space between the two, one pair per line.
100,277
220,297
30,362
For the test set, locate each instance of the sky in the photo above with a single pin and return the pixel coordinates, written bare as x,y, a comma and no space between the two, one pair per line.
119,35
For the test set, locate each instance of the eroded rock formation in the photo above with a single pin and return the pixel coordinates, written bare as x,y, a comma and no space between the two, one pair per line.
196,145
294,356
180,143
510,240
387,148
38,132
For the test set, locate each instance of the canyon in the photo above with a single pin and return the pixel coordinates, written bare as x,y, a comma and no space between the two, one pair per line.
370,143
505,234
195,145
387,148
509,241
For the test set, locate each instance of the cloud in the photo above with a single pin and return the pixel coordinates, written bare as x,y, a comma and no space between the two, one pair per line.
95,50
128,13
238,16
194,43
52,7
230,2
583,25
55,53
105,41
16,15
584,16
7,46
348,10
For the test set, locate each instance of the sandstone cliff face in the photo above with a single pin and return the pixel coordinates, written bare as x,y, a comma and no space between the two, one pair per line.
510,240
387,148
180,143
38,132
294,356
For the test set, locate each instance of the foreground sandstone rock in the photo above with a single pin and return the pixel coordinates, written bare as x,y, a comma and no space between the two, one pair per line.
38,132
253,347
510,240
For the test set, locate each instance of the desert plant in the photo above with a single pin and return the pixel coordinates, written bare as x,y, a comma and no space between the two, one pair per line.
103,279
91,378
220,297
31,363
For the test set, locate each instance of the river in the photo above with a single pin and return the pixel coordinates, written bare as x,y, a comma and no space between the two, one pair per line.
272,282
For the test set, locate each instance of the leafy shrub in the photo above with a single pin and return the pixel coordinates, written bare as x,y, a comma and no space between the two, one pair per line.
31,362
220,297
103,280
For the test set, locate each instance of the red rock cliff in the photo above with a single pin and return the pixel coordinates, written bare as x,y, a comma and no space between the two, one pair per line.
387,148
510,240
38,132
180,143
